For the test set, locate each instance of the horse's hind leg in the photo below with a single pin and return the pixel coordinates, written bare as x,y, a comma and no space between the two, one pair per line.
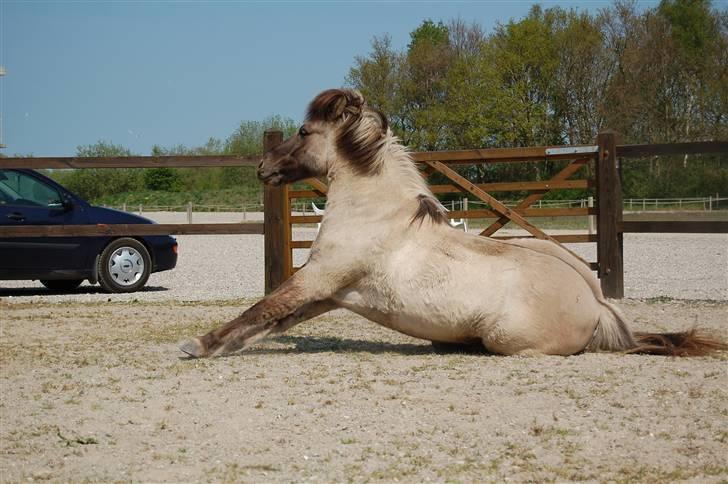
282,309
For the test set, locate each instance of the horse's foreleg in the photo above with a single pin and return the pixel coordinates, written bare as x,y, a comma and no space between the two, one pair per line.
285,307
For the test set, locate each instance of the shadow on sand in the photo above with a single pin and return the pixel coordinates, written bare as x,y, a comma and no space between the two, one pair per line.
331,344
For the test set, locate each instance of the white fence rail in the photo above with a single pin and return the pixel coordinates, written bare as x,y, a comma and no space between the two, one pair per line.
629,204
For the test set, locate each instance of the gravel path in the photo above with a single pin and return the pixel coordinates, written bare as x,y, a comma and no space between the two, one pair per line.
679,266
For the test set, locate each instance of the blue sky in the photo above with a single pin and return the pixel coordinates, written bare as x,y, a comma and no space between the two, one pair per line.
145,73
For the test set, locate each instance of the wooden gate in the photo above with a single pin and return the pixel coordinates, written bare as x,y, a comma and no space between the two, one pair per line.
571,176
604,185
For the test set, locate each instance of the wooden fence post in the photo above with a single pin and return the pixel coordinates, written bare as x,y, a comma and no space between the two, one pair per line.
609,216
276,228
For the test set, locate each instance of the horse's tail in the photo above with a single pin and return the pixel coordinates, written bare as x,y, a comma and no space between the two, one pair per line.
613,334
693,342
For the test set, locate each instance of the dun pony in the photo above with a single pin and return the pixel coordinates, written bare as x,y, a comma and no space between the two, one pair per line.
386,252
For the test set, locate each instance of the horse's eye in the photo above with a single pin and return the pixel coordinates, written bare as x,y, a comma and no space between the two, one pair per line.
302,132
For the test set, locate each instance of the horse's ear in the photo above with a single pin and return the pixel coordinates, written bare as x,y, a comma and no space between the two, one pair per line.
383,123
333,104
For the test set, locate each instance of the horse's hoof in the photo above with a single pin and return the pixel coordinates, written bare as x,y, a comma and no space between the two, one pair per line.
193,348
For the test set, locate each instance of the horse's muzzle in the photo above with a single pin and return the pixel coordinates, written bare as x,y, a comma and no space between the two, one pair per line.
270,177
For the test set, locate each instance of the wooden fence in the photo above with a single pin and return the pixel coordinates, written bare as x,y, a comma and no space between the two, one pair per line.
278,219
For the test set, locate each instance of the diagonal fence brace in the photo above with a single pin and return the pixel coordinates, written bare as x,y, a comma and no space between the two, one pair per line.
317,185
565,173
495,204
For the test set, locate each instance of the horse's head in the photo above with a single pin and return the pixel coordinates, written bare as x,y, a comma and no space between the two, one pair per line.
339,128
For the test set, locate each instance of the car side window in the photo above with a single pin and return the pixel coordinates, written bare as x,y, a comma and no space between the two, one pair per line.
17,188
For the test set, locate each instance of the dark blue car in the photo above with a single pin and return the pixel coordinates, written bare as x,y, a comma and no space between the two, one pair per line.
118,264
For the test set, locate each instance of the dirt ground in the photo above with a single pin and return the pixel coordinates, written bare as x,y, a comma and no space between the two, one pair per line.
99,392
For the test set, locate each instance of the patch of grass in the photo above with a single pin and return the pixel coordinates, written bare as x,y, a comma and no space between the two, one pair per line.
232,472
546,432
695,392
656,474
75,441
471,467
659,299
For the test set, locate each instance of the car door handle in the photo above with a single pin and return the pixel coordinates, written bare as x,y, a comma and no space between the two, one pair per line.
16,216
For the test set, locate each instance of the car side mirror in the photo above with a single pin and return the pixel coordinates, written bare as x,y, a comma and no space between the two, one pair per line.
67,203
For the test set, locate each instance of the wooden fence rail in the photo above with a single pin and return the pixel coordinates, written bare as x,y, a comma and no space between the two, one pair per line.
130,161
278,218
129,230
485,156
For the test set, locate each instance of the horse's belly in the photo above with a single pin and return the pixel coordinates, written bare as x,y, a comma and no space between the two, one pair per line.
413,318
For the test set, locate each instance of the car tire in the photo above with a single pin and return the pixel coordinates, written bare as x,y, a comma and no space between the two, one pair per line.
61,284
124,266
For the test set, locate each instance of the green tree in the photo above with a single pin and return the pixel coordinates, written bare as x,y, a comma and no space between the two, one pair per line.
247,139
185,179
424,88
694,28
379,77
164,179
94,183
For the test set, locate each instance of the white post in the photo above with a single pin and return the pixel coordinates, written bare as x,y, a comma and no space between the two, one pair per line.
189,212
140,209
592,218
123,207
245,212
710,203
465,209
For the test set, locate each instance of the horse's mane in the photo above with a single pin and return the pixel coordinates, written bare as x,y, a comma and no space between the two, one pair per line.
365,140
429,207
362,131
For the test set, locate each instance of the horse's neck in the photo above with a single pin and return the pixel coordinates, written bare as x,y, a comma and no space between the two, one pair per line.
394,188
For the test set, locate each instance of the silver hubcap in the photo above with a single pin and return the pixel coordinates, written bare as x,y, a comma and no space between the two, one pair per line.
126,266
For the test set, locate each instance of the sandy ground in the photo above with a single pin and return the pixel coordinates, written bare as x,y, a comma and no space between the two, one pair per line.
93,388
98,391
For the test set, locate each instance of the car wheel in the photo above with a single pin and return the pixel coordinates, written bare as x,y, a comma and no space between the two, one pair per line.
61,284
124,266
